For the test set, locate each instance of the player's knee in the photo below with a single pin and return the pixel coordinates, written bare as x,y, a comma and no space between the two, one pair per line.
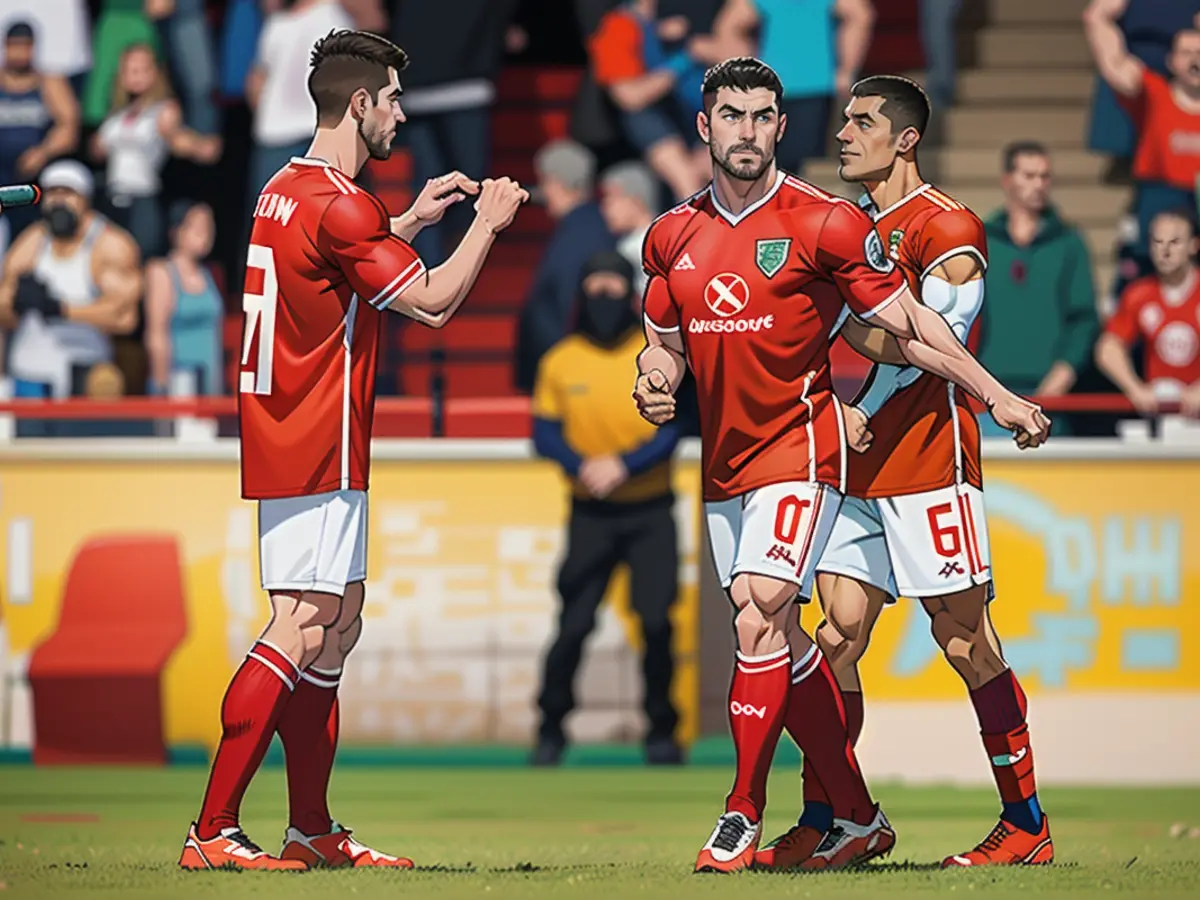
351,608
770,595
838,649
348,638
957,642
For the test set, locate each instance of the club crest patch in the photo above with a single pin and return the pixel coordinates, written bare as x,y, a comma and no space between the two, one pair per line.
771,255
873,250
894,240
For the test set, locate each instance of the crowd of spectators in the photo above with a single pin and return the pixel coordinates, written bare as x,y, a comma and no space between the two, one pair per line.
129,113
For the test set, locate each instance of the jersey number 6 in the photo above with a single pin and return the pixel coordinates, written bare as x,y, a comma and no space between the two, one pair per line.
255,378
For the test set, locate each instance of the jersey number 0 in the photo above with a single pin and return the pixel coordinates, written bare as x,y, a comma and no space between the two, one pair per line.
259,308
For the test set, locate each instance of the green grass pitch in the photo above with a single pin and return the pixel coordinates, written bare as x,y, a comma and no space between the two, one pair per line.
574,832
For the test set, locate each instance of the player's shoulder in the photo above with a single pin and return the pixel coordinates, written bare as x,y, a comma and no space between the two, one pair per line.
675,219
796,195
1141,291
943,228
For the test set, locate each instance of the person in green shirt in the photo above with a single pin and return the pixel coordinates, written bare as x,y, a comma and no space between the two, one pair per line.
1039,323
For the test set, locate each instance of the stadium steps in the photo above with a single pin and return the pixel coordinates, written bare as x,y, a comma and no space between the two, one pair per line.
1026,74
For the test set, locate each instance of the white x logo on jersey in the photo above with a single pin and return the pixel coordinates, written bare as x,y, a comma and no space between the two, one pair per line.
727,294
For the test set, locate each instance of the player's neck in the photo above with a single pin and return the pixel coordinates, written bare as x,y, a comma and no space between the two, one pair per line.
736,195
900,182
1181,276
341,147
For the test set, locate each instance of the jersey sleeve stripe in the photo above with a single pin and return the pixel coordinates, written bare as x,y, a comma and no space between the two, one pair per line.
873,311
398,285
965,249
343,179
337,184
943,199
659,328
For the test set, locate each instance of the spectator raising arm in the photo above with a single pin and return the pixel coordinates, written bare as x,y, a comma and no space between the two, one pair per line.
735,26
1120,68
856,19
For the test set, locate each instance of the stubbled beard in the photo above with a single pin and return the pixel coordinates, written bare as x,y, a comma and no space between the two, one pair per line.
743,174
377,147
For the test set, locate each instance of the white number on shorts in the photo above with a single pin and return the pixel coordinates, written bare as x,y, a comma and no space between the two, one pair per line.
947,539
787,518
255,378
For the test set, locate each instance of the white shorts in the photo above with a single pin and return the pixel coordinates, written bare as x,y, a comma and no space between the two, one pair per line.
919,545
779,530
315,543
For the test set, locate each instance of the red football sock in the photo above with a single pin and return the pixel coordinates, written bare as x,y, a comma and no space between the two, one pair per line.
1000,706
816,719
758,700
256,696
814,791
309,729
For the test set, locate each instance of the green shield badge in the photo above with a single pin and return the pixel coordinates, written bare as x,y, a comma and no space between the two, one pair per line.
894,240
771,255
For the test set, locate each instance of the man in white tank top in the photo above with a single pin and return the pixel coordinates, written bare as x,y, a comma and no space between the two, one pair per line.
70,282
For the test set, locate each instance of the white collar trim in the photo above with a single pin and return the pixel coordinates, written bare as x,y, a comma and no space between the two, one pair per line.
309,161
916,192
734,218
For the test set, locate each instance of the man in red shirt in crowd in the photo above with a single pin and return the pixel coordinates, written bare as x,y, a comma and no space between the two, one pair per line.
1166,114
1162,311
748,280
324,263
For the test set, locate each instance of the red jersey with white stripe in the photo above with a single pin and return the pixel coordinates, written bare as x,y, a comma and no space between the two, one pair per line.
755,297
1168,321
926,436
321,266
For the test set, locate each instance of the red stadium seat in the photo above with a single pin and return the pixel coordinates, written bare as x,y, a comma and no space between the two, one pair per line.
463,379
473,333
526,84
501,284
97,681
528,129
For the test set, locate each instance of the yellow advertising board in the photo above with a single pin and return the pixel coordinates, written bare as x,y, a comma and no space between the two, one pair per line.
460,592
1096,589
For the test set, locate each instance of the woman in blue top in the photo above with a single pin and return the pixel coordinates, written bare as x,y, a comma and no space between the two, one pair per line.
816,47
184,311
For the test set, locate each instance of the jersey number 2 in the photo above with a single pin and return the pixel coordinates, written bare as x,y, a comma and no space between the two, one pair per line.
259,308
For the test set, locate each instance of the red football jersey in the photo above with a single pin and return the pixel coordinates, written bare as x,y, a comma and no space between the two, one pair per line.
926,436
1168,321
1168,147
321,266
755,297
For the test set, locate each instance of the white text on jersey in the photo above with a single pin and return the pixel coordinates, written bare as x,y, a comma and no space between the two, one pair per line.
762,323
275,206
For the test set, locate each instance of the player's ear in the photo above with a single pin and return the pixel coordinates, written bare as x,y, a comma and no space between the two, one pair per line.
360,102
782,127
908,139
702,125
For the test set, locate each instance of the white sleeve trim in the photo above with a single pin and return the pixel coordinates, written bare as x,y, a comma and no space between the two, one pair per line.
658,328
398,285
875,310
964,250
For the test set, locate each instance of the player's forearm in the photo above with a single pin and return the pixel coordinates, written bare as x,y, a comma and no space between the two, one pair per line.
406,226
933,346
666,360
1113,360
448,285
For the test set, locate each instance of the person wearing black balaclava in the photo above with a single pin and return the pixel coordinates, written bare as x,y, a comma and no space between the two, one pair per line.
71,282
619,467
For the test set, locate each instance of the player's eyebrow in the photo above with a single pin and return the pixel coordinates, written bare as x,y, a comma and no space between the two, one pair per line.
862,118
765,111
727,108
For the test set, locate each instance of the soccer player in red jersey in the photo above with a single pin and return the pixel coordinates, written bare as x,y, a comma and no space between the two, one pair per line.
913,521
324,263
747,281
1163,311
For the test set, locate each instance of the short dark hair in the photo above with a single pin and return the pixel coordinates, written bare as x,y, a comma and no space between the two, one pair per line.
1188,216
344,61
905,102
1022,148
19,31
742,73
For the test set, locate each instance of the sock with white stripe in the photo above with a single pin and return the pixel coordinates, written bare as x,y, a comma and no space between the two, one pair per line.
309,731
816,720
254,700
758,700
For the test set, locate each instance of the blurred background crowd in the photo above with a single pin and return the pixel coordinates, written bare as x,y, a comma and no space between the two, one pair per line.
1072,128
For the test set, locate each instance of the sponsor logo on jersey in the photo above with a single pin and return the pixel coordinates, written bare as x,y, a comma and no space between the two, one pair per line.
745,709
685,263
873,250
770,255
782,554
727,294
731,326
894,240
1177,344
